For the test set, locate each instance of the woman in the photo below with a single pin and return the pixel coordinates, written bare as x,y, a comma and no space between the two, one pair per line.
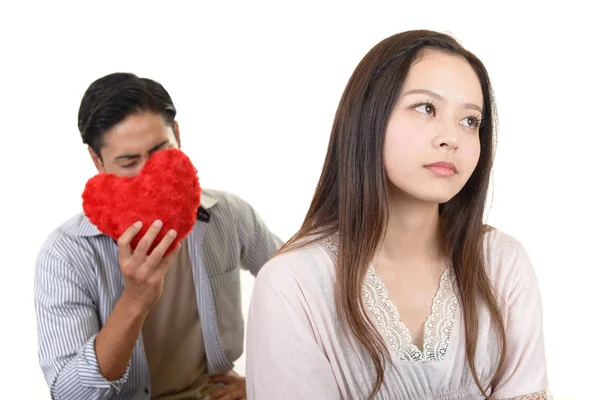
394,288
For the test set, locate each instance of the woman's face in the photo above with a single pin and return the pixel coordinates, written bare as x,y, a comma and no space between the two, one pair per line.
431,145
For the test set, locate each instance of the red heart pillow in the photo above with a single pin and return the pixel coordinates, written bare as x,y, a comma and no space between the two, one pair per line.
166,188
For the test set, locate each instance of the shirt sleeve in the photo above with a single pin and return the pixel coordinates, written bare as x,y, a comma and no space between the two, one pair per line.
67,327
523,375
284,360
257,242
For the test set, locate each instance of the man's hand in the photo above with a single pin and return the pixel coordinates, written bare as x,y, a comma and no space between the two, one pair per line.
144,274
234,389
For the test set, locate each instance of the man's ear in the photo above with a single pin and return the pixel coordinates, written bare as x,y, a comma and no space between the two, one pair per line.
96,159
176,133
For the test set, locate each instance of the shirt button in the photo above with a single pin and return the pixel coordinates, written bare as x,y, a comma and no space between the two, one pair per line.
146,390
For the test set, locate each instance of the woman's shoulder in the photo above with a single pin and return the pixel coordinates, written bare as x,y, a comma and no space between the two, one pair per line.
306,268
496,241
507,261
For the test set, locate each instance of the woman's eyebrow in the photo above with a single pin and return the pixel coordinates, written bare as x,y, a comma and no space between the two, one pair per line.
469,106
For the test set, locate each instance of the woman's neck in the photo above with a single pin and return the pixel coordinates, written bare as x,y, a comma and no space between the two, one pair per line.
413,232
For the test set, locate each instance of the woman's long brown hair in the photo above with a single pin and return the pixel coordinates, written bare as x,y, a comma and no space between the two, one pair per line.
351,198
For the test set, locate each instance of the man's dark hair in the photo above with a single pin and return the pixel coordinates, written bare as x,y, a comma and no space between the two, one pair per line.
112,98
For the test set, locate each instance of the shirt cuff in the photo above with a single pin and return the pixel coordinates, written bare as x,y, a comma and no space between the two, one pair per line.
89,372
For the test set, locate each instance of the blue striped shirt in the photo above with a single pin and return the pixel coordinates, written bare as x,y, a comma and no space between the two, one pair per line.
78,283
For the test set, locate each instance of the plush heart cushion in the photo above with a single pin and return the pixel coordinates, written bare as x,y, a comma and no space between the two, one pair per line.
166,188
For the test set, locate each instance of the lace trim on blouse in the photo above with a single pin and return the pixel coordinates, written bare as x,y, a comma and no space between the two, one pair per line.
438,327
541,395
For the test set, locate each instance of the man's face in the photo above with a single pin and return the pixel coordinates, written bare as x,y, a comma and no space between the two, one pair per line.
129,144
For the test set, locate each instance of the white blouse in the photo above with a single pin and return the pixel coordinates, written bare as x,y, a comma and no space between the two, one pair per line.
297,349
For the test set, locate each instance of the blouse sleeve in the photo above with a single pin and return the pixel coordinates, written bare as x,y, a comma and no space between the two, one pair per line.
284,359
523,374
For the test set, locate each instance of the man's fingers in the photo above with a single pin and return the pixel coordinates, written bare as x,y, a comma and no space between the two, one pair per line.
225,390
124,241
237,394
159,251
168,260
156,266
235,388
142,248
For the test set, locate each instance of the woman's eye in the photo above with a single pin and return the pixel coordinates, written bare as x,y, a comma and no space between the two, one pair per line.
470,122
128,165
426,108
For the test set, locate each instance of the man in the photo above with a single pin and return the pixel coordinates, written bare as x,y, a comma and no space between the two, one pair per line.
114,323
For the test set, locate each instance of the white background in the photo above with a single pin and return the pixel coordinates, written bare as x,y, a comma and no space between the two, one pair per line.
256,86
